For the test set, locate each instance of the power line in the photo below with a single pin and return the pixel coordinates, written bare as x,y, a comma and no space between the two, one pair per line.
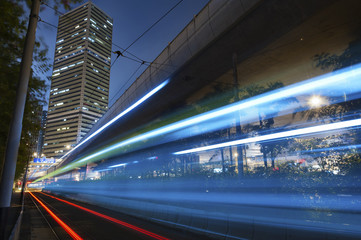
127,52
126,82
52,25
63,29
135,58
57,11
141,35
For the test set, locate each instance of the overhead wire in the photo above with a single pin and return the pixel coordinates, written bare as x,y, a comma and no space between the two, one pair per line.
146,64
57,11
134,57
160,19
122,87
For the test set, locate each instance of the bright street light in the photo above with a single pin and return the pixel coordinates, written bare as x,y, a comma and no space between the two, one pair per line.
316,101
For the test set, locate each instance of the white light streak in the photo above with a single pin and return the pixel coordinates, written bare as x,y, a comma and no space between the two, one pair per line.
291,133
118,165
335,80
136,104
290,91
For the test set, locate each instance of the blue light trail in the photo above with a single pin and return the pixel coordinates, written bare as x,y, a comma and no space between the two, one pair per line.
136,104
280,135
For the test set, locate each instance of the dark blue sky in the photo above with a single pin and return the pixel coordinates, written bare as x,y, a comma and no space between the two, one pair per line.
131,18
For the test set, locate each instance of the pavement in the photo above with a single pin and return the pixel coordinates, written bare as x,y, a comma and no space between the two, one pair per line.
9,216
34,226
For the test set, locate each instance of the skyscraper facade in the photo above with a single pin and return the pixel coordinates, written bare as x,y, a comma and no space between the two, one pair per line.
80,81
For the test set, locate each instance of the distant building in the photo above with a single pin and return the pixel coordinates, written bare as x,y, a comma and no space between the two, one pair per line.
40,142
80,81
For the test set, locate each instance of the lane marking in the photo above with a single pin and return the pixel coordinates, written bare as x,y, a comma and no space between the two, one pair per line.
125,224
61,223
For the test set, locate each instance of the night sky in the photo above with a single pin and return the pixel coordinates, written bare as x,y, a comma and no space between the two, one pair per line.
130,19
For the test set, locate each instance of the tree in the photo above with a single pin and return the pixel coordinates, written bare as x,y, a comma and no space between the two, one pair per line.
12,31
266,120
338,110
13,25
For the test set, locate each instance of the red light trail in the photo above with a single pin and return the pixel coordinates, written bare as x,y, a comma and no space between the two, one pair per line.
62,224
125,224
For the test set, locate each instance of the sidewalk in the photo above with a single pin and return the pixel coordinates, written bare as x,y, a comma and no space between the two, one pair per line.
34,226
12,215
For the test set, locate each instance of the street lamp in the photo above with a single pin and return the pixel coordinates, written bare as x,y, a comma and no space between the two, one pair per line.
316,101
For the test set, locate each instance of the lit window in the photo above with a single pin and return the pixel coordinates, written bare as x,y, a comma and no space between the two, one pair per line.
99,40
95,26
77,26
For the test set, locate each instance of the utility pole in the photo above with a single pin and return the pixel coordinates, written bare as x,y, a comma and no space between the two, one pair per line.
13,141
238,126
24,181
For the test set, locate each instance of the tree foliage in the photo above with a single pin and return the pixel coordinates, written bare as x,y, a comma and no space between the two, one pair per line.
13,26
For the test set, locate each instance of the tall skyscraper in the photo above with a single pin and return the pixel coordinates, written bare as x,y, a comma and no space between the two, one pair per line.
80,81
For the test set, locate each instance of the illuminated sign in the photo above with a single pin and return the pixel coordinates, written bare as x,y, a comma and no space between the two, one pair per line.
44,160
